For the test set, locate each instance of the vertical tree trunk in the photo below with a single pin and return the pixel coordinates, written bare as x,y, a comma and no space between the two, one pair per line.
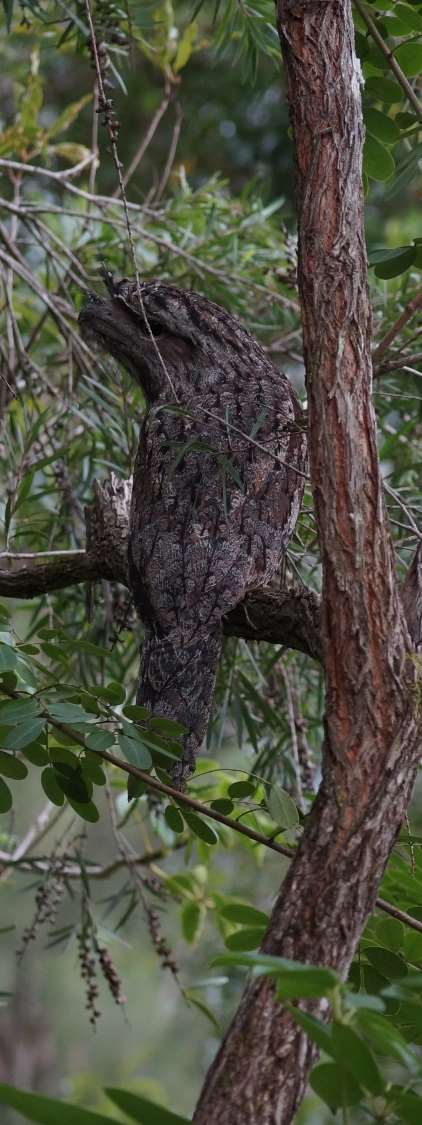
371,738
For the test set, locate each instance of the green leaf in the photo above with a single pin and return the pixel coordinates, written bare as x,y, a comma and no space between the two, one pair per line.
409,57
141,1109
193,917
12,767
246,938
294,978
69,713
92,770
75,787
36,754
117,691
222,805
8,658
112,693
99,740
390,933
134,711
244,914
8,12
199,828
50,786
315,1030
389,964
396,262
169,727
408,1105
281,807
70,151
185,46
23,734
381,126
174,819
354,1055
242,789
377,160
199,1003
16,710
384,89
68,116
135,752
411,19
135,787
386,1039
87,811
335,1086
50,1111
6,799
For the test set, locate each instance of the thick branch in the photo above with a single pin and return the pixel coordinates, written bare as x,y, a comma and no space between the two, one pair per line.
290,618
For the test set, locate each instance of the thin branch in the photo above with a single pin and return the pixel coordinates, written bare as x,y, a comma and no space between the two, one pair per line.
397,363
171,154
93,870
197,806
388,55
406,315
146,140
35,169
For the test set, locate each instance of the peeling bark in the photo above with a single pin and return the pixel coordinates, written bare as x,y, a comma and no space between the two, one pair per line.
371,736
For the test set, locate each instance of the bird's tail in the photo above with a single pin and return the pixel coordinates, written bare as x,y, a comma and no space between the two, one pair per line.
176,681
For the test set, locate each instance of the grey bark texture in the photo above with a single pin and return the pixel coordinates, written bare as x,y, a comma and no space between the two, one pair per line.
217,484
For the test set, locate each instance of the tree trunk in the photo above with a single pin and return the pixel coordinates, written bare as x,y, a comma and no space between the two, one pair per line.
371,736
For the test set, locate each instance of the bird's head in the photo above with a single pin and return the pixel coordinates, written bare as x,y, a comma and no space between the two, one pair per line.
151,328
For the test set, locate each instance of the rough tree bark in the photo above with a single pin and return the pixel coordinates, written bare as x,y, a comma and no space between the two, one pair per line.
371,736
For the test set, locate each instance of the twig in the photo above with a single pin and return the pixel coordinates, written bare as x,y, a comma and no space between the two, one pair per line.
65,174
388,55
171,154
399,363
153,126
406,315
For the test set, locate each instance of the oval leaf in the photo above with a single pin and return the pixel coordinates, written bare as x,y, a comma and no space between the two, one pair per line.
377,160
174,819
281,807
193,917
335,1087
242,789
23,734
135,752
199,828
99,740
87,811
247,938
12,767
6,799
382,126
244,914
50,786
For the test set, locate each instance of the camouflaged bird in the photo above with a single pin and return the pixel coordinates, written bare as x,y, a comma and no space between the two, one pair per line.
217,485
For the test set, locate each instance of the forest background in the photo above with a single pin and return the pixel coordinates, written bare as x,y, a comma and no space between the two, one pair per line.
205,149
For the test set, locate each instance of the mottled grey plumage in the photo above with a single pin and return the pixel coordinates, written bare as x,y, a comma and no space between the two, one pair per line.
217,487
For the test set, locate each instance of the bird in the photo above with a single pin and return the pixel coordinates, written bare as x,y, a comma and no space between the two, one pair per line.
218,482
